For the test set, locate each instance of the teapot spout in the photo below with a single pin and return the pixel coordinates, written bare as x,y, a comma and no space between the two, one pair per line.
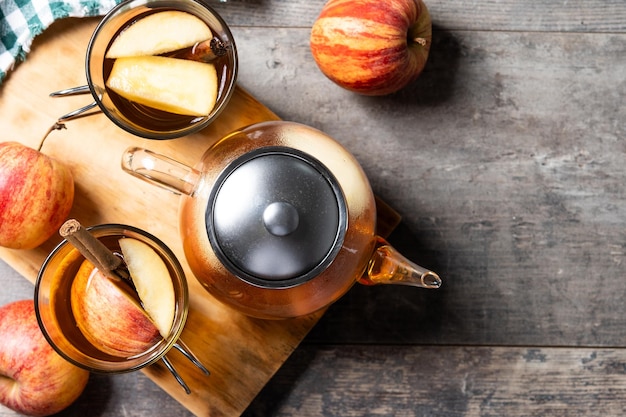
388,266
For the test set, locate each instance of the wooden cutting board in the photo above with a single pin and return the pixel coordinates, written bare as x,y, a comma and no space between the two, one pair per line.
241,352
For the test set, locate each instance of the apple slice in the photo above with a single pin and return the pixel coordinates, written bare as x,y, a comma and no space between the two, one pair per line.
152,281
159,33
108,315
169,84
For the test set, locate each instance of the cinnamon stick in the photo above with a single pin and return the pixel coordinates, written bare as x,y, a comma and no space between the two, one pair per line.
91,248
206,51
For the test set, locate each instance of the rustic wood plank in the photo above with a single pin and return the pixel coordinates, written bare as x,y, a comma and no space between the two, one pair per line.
487,15
530,15
446,381
505,160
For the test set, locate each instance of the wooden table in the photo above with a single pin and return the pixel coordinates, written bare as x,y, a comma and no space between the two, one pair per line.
506,161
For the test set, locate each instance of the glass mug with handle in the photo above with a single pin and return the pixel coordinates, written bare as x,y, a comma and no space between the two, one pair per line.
151,55
99,323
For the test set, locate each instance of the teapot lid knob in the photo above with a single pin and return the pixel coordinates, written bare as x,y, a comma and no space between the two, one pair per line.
280,218
276,217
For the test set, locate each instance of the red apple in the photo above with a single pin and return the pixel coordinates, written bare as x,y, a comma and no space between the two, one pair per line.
372,47
34,379
109,316
36,195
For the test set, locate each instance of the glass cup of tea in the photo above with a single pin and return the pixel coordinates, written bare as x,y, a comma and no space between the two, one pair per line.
141,85
96,323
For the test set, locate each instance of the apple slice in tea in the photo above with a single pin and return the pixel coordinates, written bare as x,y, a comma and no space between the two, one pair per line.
108,316
174,85
159,33
152,281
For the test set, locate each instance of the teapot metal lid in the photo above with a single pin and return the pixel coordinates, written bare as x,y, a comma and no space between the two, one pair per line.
276,217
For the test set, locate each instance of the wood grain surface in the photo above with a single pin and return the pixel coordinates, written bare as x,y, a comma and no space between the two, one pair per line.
506,161
447,381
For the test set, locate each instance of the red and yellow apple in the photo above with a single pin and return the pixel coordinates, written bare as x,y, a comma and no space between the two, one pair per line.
36,195
34,379
372,47
109,316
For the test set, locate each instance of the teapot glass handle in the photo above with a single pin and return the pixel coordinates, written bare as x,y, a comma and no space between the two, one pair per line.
160,170
388,266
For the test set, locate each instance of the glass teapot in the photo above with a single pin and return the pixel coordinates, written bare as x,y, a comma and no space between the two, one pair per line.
278,220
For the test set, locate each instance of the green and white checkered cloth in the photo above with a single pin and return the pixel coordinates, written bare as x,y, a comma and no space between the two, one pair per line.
22,20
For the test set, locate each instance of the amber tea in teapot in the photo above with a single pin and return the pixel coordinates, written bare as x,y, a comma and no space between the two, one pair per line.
278,220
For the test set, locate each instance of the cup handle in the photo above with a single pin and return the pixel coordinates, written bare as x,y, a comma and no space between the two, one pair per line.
160,170
388,266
